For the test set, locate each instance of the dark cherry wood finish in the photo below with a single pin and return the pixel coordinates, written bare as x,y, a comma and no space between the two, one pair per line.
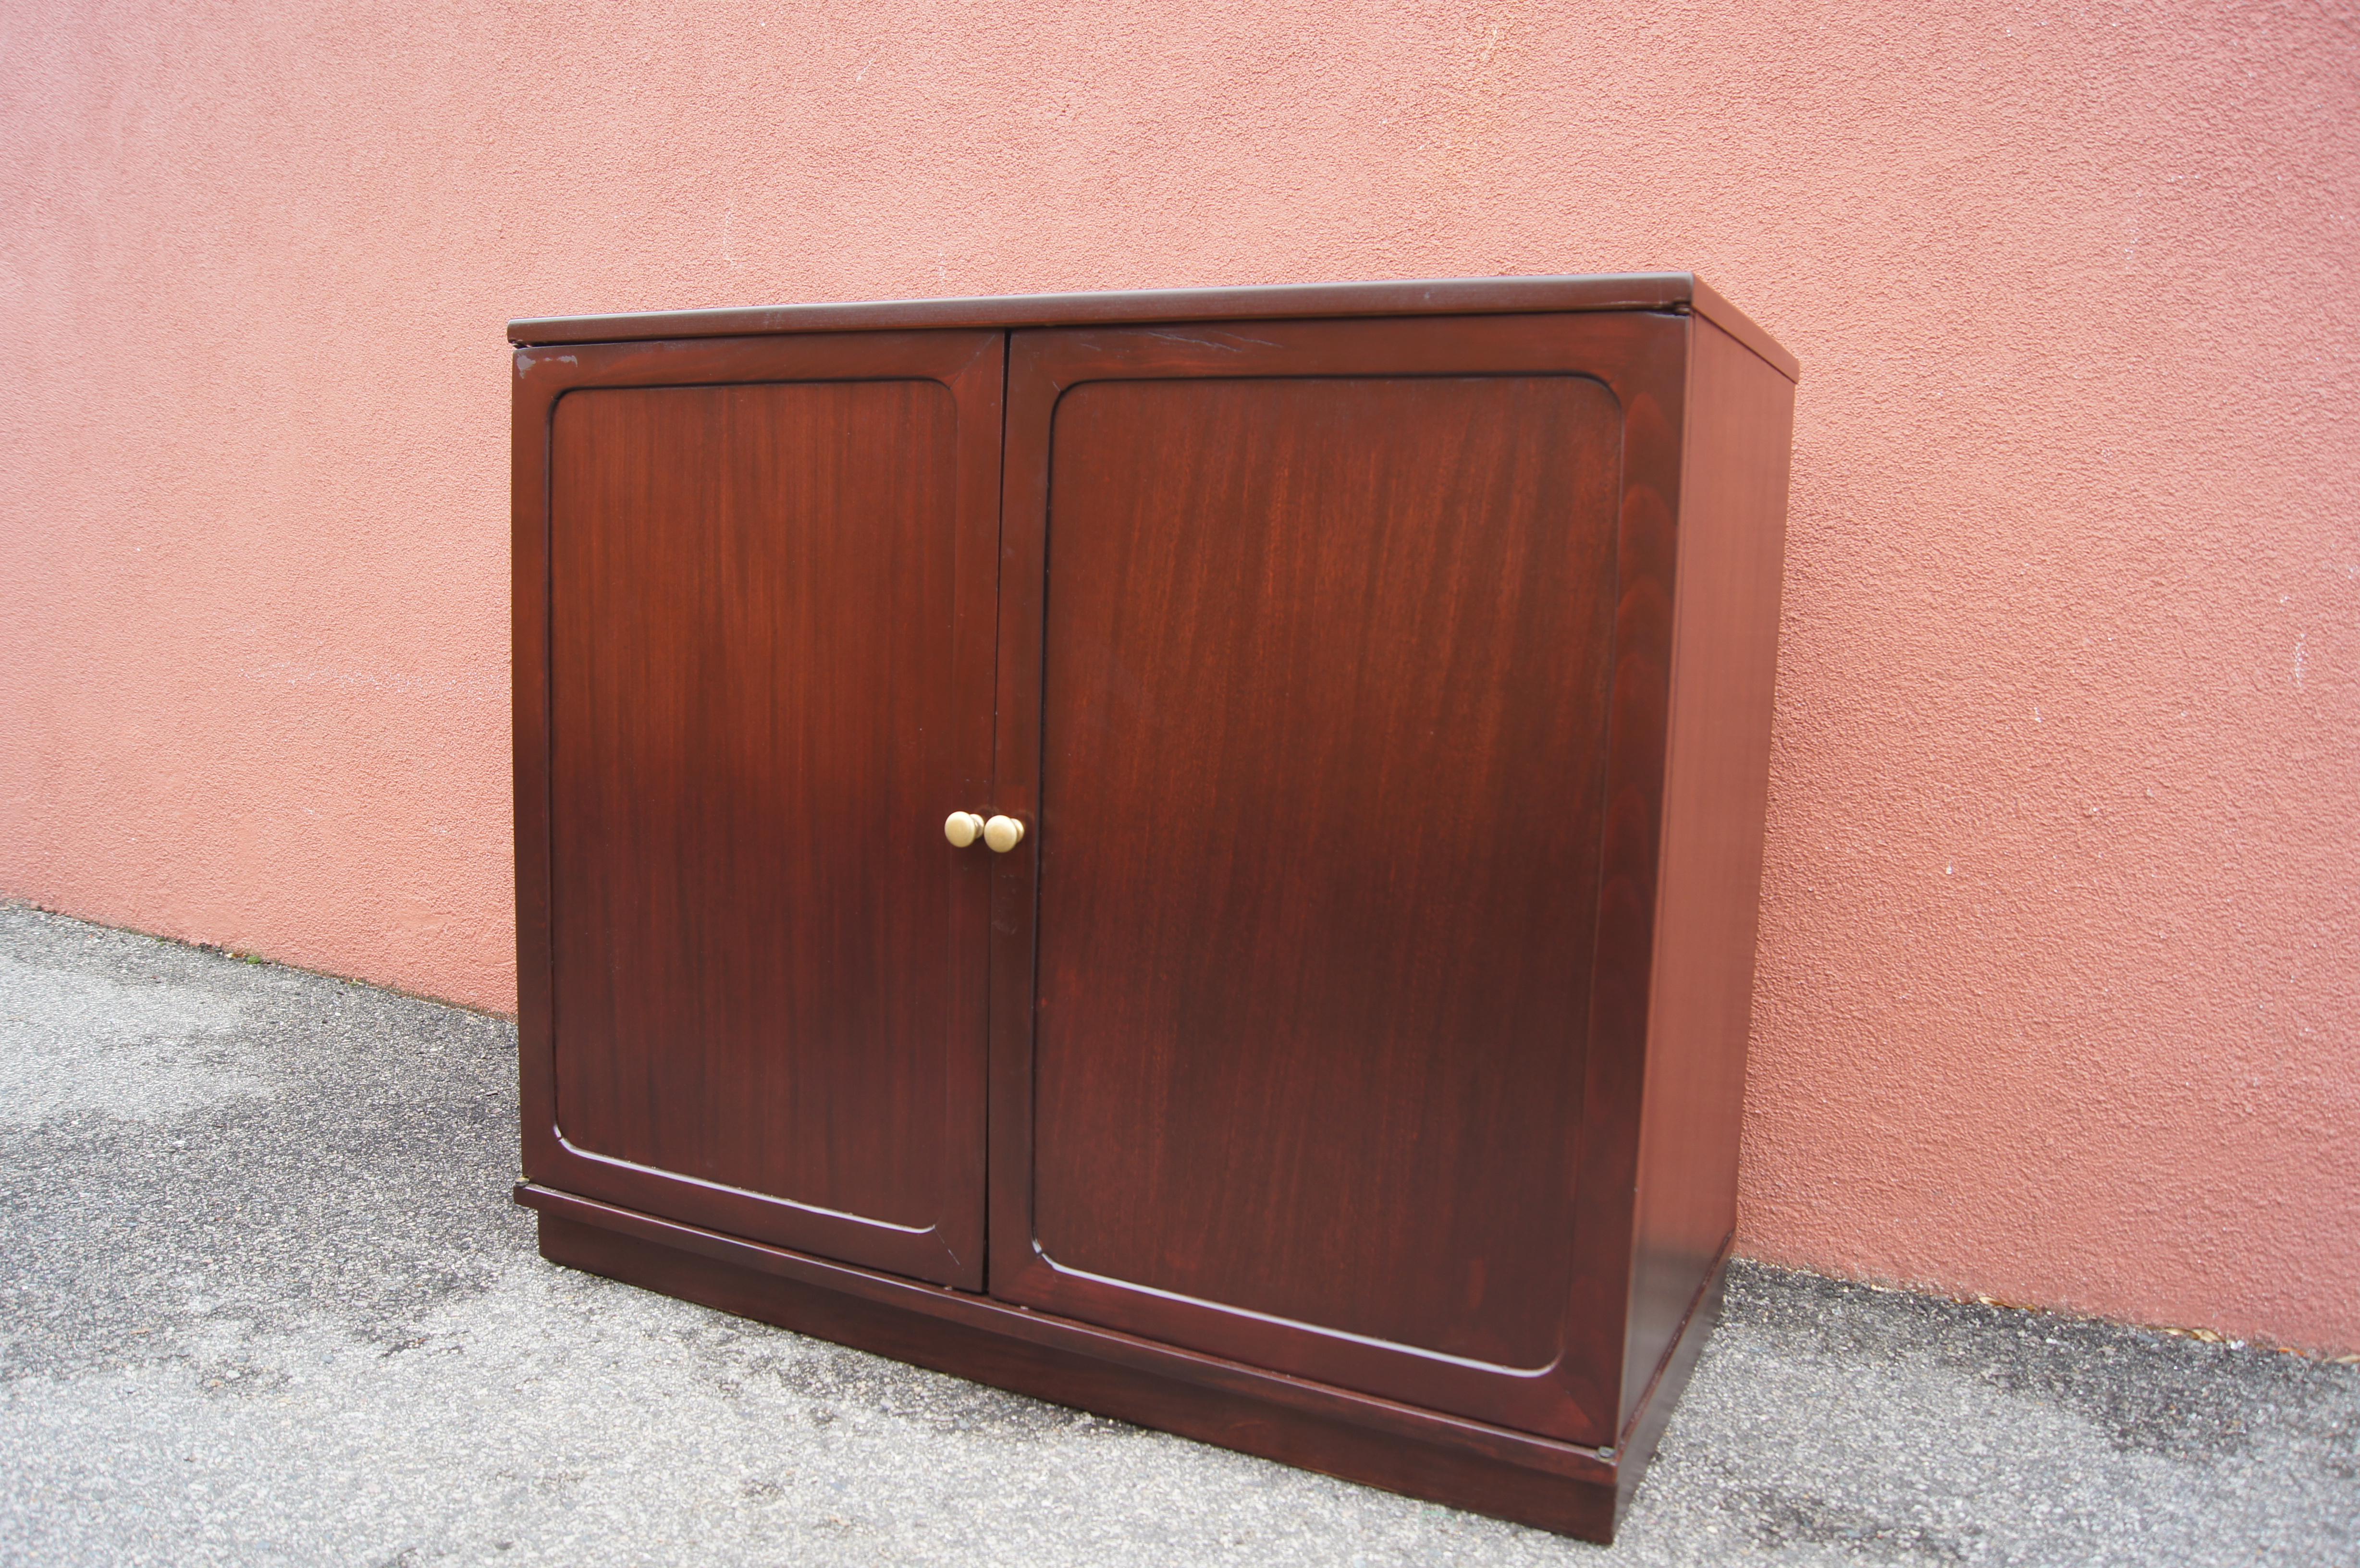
768,615
1383,674
1329,616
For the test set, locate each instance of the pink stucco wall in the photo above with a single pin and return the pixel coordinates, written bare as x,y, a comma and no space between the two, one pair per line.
2058,995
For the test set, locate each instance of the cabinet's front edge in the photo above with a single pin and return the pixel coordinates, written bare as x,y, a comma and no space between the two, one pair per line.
537,384
1054,1358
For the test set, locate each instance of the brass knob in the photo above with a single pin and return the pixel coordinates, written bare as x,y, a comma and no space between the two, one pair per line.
1003,833
962,828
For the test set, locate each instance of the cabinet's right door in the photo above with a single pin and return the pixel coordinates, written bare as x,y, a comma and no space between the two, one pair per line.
1309,676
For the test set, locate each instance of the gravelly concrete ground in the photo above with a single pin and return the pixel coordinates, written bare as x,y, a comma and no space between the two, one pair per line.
263,1299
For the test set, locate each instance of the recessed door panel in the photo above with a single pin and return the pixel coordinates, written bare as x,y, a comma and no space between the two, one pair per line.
767,961
1328,614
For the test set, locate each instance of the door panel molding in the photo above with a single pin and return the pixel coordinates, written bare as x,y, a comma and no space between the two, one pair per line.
1639,359
946,1243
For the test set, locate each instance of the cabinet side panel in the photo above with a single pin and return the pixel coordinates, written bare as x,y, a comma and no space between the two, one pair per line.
1732,526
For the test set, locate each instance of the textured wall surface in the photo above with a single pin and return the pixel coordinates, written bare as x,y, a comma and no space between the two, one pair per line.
2058,996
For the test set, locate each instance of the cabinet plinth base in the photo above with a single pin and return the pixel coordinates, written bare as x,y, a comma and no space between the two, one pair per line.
1559,1486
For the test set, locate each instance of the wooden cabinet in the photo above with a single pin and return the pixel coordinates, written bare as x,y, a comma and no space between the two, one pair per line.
1345,1064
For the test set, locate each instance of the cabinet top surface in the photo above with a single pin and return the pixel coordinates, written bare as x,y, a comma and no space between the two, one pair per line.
1671,291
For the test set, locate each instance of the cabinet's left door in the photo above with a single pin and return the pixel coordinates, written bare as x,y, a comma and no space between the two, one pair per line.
754,616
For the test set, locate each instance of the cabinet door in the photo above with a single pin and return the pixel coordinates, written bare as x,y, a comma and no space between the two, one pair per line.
1309,656
769,588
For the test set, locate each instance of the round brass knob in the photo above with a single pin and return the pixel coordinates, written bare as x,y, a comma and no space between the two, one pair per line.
1003,833
962,828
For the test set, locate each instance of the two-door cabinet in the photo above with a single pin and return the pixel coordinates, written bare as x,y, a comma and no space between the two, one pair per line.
1191,853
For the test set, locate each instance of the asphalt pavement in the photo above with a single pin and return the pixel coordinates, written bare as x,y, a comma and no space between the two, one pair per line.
264,1299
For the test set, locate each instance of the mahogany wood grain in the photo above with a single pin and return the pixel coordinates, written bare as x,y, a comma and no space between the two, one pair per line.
1724,667
1321,789
1674,291
766,681
1322,750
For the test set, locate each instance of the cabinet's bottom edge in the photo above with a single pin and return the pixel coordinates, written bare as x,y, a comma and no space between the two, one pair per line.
1560,1487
